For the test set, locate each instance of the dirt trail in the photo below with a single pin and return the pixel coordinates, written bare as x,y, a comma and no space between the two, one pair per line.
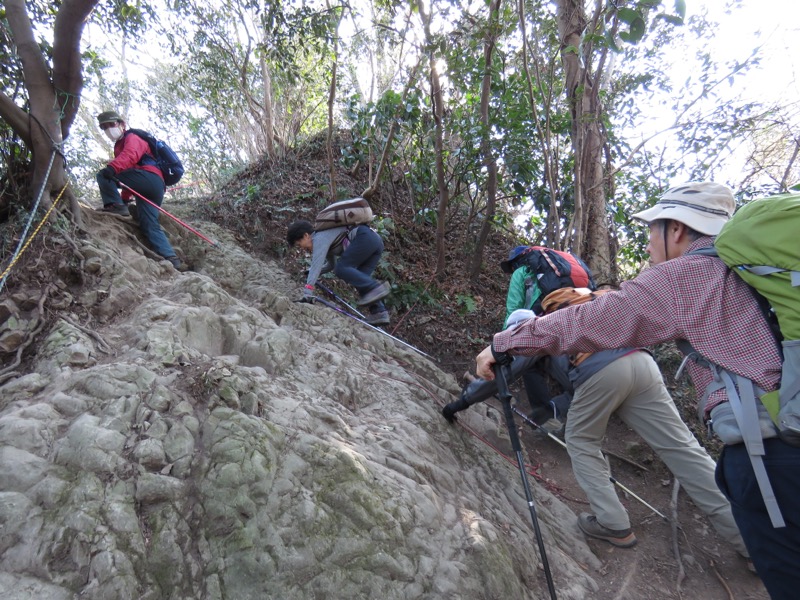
703,566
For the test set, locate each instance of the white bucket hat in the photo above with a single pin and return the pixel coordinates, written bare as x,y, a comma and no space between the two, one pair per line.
702,205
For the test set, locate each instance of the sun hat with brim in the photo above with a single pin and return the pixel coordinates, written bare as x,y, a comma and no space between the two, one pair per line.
109,116
506,265
701,205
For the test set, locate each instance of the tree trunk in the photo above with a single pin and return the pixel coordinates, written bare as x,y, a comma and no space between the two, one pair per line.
373,186
552,231
269,120
53,103
329,140
486,142
590,235
437,99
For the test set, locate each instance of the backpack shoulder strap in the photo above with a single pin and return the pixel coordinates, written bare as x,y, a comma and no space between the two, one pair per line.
763,303
707,251
151,156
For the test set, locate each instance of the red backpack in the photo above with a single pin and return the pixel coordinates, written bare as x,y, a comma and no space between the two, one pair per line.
554,270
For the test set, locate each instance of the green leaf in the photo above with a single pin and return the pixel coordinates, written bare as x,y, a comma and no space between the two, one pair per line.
638,29
628,15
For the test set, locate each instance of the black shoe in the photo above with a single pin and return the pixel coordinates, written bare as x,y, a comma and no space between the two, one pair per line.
379,292
117,209
449,413
378,318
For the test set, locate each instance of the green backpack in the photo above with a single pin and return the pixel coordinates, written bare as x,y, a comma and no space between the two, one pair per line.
760,243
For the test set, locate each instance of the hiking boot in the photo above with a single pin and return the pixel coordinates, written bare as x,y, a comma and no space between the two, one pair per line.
622,538
117,209
379,292
133,209
178,264
378,318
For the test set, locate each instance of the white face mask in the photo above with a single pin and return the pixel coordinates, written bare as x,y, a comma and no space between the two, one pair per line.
114,133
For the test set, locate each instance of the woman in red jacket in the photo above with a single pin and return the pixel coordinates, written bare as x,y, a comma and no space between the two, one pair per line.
135,166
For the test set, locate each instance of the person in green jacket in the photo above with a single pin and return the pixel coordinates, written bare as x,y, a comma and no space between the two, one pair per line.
523,291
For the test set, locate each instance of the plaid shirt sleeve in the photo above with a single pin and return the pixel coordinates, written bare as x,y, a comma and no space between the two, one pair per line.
637,315
696,298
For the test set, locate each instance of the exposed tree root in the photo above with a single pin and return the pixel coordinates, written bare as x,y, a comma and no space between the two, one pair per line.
624,459
673,506
8,372
101,343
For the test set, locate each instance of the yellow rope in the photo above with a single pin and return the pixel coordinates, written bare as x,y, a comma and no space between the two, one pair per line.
35,231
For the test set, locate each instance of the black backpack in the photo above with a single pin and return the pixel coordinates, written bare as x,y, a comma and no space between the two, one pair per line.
554,270
163,157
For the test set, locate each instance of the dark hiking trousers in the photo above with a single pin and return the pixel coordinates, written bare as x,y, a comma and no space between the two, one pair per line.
358,261
774,552
149,185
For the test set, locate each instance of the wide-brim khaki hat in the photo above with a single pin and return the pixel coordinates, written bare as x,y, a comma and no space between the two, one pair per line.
702,205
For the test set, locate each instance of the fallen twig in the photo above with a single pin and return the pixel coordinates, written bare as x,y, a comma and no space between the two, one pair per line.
721,580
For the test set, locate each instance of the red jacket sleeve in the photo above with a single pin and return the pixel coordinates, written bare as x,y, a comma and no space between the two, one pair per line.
128,152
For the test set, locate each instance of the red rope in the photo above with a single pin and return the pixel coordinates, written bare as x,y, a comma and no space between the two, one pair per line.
530,470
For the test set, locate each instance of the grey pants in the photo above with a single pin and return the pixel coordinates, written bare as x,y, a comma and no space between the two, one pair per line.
632,387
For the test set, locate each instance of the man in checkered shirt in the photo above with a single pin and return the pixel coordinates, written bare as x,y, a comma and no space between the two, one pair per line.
696,298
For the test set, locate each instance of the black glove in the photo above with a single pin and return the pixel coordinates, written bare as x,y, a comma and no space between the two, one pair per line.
108,172
502,359
307,300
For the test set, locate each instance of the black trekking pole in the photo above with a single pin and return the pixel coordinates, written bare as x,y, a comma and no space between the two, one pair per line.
501,371
533,424
339,299
378,329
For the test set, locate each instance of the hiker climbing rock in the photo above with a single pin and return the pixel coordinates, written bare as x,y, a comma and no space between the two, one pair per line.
627,382
351,250
135,167
535,272
696,298
547,411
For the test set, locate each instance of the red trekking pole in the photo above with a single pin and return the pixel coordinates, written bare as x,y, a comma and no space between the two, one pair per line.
171,216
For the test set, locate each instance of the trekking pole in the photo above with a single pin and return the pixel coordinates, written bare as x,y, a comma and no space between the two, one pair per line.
378,329
337,298
626,490
533,424
171,216
500,371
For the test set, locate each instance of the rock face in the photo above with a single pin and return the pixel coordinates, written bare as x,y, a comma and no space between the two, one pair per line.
214,440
